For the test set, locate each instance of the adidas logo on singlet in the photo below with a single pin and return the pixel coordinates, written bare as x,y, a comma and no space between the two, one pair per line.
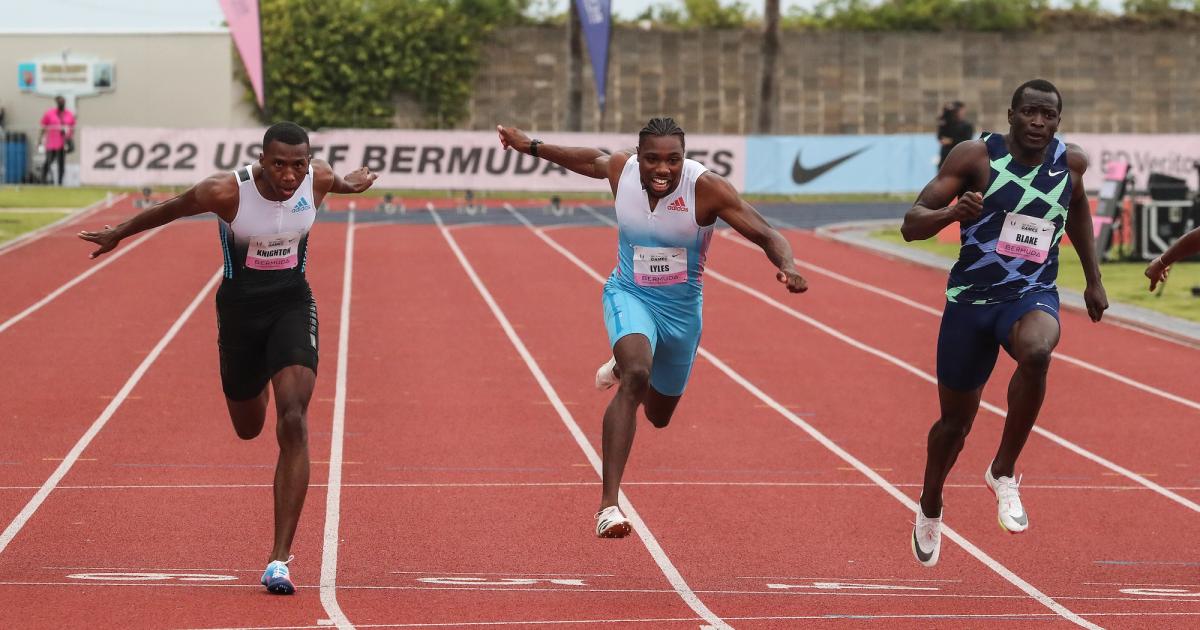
678,205
301,205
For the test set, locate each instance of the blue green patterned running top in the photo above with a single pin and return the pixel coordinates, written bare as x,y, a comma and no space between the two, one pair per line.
984,275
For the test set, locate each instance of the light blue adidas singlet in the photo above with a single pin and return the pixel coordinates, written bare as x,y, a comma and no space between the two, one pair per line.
656,289
661,253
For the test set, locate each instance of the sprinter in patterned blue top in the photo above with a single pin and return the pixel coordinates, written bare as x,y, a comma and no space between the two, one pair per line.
666,208
266,315
1018,193
1012,248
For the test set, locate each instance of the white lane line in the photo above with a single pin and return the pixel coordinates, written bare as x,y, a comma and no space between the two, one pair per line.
950,533
559,484
1173,599
333,497
660,557
1053,437
1139,584
65,466
828,617
155,570
70,219
503,573
1120,378
912,369
845,578
108,260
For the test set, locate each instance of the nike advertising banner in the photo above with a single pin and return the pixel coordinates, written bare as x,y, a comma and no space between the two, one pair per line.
242,17
449,160
595,16
1169,154
840,164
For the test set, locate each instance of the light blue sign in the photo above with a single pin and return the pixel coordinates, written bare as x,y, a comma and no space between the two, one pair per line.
26,76
840,164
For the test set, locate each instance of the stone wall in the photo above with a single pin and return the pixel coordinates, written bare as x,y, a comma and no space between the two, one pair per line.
845,82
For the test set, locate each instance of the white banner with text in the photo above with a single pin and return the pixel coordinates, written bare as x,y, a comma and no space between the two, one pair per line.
452,160
1169,154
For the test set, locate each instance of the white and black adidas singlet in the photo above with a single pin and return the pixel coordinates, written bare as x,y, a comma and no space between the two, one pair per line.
266,245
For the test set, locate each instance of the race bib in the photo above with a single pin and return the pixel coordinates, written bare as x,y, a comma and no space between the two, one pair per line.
1026,237
274,251
659,266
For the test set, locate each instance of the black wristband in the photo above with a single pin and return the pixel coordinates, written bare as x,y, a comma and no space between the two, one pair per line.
533,147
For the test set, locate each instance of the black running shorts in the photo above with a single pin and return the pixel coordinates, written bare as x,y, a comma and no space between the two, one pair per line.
257,340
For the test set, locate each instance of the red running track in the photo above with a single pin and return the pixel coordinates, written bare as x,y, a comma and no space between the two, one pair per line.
465,499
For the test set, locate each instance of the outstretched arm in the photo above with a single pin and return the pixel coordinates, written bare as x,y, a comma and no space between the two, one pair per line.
933,211
1079,228
1160,268
217,193
722,200
587,161
327,181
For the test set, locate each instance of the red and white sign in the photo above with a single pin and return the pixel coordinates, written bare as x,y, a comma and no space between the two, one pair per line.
450,160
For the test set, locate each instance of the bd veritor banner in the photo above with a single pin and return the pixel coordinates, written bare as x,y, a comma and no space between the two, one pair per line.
450,160
1169,154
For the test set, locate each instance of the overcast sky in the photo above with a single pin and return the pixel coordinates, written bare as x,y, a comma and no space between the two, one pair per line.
185,14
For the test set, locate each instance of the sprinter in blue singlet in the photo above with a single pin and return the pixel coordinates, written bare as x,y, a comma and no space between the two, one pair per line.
1017,195
666,208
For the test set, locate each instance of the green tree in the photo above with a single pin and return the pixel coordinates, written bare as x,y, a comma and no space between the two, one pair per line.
700,14
1163,13
342,63
922,15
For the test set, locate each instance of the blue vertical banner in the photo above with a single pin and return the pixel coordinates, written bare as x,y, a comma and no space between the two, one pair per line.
595,16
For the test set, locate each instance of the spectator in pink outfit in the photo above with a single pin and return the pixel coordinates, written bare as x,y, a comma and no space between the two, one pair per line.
58,129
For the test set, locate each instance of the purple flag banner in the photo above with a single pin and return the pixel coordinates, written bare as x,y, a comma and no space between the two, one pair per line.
595,16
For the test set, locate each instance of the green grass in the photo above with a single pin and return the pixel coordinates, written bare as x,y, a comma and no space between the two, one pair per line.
1123,281
14,224
50,196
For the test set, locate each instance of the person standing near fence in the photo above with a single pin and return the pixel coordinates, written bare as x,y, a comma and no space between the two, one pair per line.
953,128
58,129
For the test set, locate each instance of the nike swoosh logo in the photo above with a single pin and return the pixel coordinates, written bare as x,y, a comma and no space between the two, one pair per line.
1054,174
922,556
1021,520
802,175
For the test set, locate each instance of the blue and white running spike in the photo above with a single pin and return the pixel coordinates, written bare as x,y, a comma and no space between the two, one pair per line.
277,578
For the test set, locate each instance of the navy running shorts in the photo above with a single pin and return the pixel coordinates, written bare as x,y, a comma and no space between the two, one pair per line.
971,336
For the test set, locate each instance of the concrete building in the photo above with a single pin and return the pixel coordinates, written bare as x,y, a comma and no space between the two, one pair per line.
176,79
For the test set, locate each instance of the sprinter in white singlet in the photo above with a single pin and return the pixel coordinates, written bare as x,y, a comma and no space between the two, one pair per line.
666,208
266,316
